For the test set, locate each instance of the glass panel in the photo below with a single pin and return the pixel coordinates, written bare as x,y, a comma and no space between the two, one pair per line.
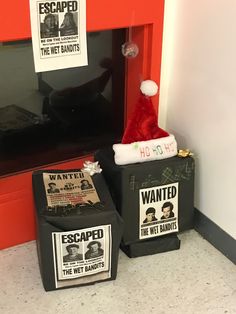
58,115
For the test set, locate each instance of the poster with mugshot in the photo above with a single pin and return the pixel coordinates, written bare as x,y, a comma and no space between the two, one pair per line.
58,34
82,256
68,190
158,210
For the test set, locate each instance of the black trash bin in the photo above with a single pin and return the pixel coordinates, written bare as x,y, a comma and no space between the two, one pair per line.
155,200
78,228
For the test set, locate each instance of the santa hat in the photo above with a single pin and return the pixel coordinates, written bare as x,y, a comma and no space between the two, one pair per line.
143,139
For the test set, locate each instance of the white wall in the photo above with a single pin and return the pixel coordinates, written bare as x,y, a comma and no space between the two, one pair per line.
198,98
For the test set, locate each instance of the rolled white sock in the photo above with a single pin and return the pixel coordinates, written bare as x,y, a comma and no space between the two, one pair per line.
160,148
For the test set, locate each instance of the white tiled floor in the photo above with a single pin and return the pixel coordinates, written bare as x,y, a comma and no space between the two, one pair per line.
195,279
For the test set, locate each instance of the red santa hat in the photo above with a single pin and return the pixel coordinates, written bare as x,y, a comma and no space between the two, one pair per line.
143,139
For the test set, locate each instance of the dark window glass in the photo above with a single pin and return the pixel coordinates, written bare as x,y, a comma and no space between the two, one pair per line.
58,115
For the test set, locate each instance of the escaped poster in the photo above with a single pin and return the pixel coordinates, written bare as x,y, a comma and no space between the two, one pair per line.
58,34
158,210
82,256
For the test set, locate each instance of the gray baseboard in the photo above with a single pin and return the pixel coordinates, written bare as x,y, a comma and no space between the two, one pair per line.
221,240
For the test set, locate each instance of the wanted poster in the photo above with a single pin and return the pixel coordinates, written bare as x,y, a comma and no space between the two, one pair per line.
82,256
58,34
68,190
158,211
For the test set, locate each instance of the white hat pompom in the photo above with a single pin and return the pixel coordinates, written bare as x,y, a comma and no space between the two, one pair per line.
149,88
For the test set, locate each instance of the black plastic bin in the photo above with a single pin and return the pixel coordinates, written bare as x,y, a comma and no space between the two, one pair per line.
78,228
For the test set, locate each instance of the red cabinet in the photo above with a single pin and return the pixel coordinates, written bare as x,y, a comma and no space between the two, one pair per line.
146,20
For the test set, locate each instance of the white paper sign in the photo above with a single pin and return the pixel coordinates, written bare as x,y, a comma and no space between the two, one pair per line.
82,256
58,34
158,210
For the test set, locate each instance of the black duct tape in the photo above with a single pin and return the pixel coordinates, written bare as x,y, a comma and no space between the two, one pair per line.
78,228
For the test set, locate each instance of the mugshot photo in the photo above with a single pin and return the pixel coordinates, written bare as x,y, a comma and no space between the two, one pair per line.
52,188
73,253
49,26
69,24
167,210
150,215
85,185
94,250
